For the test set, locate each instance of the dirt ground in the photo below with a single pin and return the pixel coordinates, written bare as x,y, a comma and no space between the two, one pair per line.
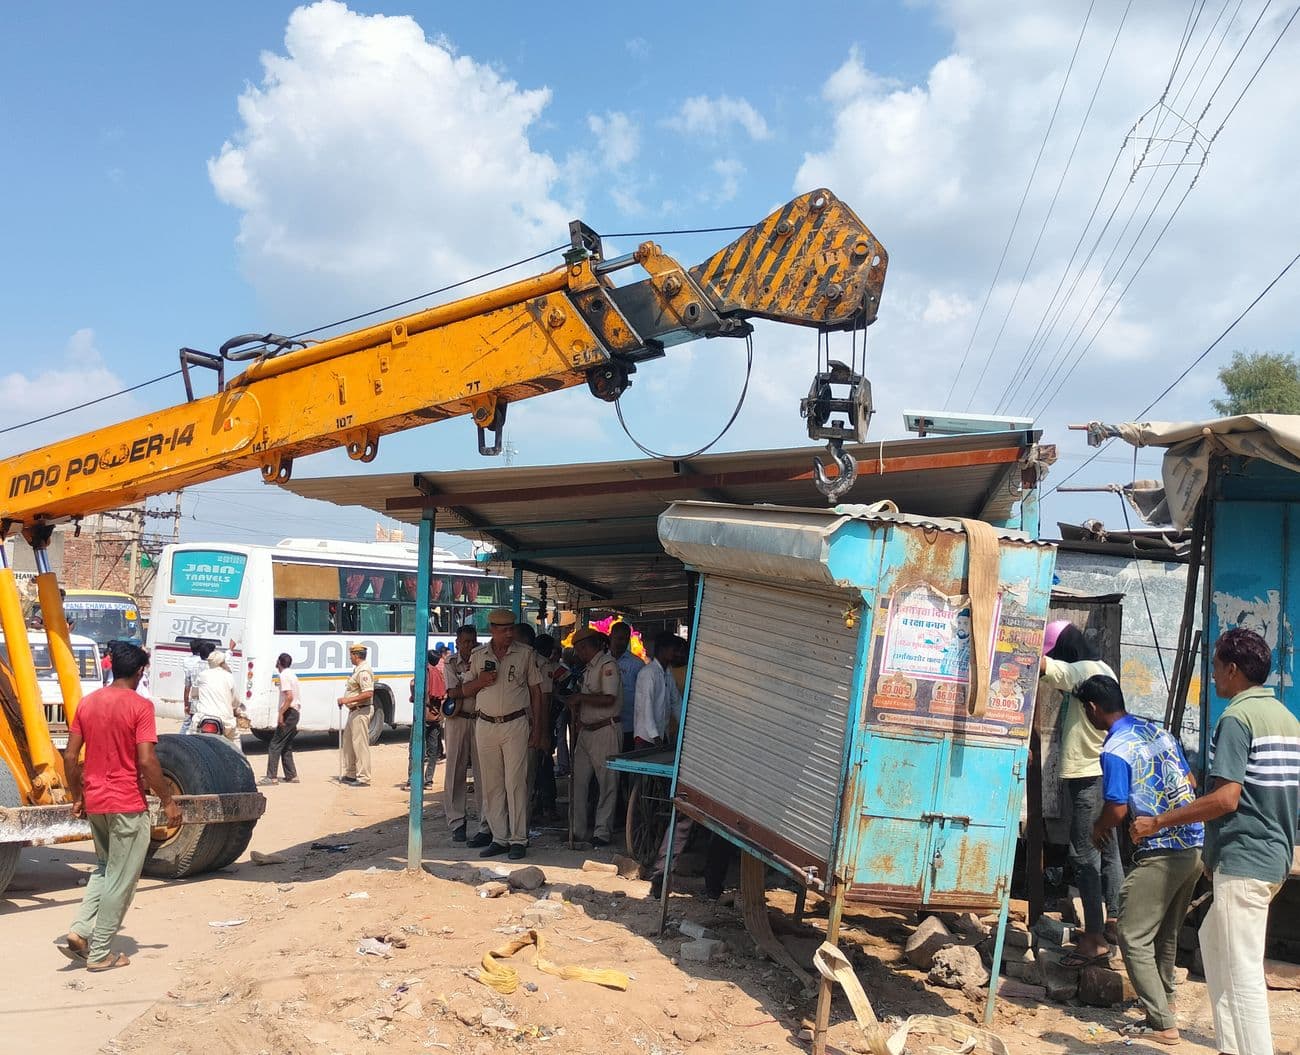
289,980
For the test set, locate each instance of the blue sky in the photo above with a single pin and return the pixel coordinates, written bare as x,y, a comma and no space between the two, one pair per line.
340,136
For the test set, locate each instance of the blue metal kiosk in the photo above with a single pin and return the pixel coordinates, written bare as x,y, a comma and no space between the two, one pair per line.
829,728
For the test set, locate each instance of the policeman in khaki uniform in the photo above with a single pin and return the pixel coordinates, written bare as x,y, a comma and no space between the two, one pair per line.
505,681
597,710
358,698
462,751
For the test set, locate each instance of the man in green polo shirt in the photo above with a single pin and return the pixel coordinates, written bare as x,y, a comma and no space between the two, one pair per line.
1250,828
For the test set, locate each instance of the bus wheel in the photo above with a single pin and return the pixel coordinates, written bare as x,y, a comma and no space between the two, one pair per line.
8,852
378,717
195,765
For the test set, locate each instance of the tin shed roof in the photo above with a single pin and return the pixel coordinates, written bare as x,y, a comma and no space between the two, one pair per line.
593,525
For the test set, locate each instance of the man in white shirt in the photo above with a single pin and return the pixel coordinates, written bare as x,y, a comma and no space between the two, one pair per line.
654,693
629,668
195,664
280,749
214,696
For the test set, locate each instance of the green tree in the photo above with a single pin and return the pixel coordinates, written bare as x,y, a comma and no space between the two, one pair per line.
1259,383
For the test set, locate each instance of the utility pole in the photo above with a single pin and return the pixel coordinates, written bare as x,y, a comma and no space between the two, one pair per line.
133,569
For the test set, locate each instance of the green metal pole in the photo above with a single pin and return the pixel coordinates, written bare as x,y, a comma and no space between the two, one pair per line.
519,594
415,829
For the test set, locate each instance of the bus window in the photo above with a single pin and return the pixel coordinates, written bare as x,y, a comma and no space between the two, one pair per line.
377,618
302,617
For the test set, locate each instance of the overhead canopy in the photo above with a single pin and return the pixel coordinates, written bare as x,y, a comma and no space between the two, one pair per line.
593,526
1273,438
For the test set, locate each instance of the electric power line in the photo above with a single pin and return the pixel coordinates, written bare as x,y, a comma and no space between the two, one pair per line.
1028,363
1141,414
1042,230
1021,207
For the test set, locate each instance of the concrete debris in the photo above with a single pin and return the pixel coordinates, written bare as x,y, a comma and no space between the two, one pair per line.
1279,975
493,889
259,858
466,1010
969,924
357,895
603,867
690,929
494,1019
958,967
926,940
410,1008
1015,990
1017,937
1061,983
375,947
1101,987
528,878
690,1031
543,911
581,892
703,950
628,867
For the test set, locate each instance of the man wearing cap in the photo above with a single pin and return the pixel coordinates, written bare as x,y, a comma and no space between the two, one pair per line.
596,710
462,750
506,682
358,696
214,696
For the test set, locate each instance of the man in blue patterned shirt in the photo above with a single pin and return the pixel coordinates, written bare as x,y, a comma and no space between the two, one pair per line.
1144,774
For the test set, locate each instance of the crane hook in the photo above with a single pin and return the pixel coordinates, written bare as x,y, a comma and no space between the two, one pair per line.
832,488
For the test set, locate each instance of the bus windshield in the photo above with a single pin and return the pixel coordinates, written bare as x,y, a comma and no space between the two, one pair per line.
104,620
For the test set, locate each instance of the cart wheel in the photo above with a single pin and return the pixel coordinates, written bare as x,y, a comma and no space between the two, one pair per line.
647,820
9,852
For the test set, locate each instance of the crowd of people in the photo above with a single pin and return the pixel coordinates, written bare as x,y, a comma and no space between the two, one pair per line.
523,713
507,706
1240,833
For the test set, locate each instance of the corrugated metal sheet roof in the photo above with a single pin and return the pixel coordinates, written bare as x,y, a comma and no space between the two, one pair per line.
594,525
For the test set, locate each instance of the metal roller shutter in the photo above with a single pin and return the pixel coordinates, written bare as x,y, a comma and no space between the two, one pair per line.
768,709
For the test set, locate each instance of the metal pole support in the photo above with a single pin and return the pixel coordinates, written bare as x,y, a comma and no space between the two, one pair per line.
415,826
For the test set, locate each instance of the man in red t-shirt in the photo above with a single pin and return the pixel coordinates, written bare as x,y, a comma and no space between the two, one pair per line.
115,724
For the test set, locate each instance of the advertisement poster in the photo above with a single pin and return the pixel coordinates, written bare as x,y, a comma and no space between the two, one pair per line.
920,668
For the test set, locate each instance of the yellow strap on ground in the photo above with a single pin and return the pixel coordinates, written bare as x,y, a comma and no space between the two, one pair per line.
982,583
834,966
505,979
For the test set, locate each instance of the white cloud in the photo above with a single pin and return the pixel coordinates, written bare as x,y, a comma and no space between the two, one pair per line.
618,139
715,117
637,47
372,161
727,172
56,380
937,169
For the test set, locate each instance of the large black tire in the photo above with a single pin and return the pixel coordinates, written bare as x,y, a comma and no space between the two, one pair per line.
8,853
263,735
196,765
238,777
378,715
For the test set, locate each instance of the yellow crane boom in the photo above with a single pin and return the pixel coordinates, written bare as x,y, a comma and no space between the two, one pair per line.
810,263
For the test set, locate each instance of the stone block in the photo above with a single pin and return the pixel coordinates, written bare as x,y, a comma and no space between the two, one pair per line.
702,950
1015,990
1052,931
958,967
1018,936
926,940
493,889
1101,987
529,878
1061,984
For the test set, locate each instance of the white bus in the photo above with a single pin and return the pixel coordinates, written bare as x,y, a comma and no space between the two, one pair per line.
309,598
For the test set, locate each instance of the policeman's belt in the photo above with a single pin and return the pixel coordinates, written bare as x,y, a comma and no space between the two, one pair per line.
504,718
589,727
